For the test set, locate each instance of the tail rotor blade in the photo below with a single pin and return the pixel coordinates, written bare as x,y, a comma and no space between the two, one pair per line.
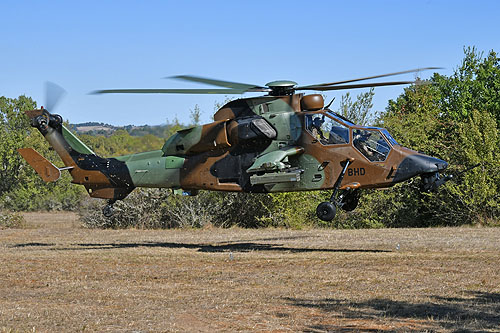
53,94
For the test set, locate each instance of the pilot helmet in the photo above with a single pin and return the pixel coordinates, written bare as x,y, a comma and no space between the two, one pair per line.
317,122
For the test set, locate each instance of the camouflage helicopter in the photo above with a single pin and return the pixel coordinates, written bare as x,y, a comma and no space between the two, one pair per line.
283,141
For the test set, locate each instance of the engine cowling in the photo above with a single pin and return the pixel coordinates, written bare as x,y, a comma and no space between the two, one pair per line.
248,130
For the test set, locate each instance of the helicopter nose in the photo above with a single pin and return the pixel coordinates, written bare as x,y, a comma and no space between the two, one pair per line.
414,165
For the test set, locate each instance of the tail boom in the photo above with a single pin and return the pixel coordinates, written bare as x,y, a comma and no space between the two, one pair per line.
106,178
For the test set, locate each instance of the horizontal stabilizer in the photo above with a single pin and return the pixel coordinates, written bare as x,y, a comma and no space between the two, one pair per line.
48,171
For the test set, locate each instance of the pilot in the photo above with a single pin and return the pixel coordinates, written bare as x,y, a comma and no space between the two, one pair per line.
360,140
317,132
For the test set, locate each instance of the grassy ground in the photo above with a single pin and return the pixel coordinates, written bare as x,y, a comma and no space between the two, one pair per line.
56,276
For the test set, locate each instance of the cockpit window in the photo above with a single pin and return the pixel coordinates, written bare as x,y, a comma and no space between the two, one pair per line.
338,116
326,130
389,137
371,143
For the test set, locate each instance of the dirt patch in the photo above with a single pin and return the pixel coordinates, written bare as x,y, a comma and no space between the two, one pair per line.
57,276
52,220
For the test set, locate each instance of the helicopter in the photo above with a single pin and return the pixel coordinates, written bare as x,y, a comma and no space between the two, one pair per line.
282,141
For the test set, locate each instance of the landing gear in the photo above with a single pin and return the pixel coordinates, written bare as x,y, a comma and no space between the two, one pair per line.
326,211
347,200
108,210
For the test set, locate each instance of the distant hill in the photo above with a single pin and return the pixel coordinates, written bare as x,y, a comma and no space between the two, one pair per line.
95,128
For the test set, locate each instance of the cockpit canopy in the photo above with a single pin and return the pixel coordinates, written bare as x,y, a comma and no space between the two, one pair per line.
328,128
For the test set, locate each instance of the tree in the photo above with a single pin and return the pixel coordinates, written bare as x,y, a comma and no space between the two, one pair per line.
195,115
475,85
122,143
20,187
359,111
14,128
451,118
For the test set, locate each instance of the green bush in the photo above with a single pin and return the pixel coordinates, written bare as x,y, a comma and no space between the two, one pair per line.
159,208
295,210
33,194
11,220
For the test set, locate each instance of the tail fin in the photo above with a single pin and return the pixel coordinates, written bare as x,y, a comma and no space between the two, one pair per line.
48,171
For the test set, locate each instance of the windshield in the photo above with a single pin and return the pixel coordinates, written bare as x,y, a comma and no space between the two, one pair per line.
340,117
371,144
386,133
389,137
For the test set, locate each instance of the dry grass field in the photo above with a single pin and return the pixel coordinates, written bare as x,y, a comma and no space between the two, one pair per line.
58,277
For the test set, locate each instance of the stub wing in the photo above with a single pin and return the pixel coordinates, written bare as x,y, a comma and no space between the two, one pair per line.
48,171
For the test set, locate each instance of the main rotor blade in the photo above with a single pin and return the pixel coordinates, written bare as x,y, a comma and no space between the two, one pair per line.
371,77
53,94
354,86
170,91
220,83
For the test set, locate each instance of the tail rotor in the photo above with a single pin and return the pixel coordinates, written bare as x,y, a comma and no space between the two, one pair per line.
53,95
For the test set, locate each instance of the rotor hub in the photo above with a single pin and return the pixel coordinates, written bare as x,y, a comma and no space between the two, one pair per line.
281,87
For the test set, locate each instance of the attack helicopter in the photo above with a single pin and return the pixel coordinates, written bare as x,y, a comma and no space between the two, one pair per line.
279,142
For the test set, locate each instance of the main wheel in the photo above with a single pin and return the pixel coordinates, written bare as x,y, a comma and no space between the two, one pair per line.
326,211
108,211
350,201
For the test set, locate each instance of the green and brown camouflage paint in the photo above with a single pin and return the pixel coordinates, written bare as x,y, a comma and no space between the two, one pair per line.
254,145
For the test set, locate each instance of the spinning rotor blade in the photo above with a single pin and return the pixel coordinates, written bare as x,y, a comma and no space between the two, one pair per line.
170,91
353,86
220,83
232,88
53,94
275,88
369,77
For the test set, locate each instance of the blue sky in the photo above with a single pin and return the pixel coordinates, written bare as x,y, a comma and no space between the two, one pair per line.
89,45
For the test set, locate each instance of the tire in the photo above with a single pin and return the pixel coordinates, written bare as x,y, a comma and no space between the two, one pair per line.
107,211
326,211
350,203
